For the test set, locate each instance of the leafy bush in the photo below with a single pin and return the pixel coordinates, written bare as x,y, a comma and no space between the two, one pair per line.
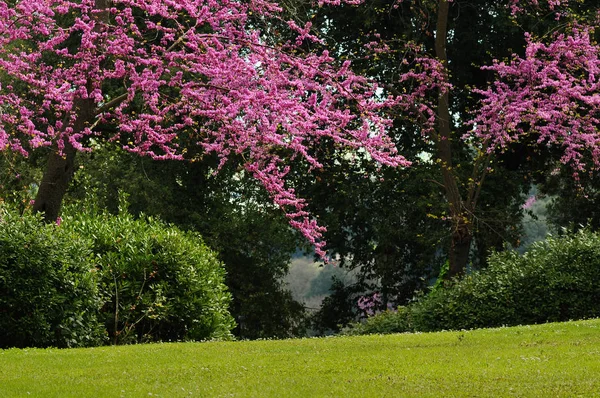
158,283
556,280
337,309
48,290
382,323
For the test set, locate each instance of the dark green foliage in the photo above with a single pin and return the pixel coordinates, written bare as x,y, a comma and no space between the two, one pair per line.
383,323
48,291
573,203
231,212
556,280
18,181
338,309
158,283
394,224
100,276
385,224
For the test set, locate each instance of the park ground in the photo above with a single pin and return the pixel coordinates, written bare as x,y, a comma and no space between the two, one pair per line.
555,359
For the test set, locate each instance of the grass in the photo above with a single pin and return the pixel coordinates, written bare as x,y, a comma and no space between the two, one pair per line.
560,359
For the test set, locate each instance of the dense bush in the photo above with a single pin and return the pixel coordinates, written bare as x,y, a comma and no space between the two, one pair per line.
48,290
158,283
383,323
100,278
253,240
556,280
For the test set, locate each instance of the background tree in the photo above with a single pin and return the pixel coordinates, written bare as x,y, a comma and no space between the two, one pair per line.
433,52
231,212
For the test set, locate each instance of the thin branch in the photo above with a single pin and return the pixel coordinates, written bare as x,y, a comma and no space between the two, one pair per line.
114,102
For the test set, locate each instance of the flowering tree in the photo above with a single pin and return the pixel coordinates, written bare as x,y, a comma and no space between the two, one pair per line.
551,94
429,53
149,73
158,69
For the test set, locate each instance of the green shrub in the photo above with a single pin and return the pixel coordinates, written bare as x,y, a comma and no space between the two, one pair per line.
158,283
48,292
382,323
556,280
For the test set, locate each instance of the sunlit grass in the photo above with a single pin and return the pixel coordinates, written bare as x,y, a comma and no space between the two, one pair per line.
561,359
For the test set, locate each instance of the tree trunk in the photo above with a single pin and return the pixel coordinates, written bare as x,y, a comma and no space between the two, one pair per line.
460,247
57,176
461,219
61,166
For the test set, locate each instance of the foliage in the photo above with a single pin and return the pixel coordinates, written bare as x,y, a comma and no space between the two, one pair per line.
229,210
541,94
158,283
338,309
383,224
234,82
396,225
558,360
555,280
48,285
385,322
573,205
18,180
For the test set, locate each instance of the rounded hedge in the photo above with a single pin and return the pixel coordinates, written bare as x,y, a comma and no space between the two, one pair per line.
48,290
97,279
158,283
555,280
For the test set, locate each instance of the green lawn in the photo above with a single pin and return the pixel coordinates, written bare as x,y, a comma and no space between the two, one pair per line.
561,359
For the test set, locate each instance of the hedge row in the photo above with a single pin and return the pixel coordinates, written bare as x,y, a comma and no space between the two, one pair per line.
556,280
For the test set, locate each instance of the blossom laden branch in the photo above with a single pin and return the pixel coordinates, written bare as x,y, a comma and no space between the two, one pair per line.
553,95
186,66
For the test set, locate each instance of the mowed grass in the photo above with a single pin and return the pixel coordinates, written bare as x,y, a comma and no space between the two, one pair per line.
560,359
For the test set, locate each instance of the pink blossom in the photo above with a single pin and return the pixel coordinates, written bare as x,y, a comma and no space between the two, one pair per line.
529,202
553,95
369,304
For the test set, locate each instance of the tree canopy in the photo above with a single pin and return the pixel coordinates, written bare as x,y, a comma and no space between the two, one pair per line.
236,79
155,70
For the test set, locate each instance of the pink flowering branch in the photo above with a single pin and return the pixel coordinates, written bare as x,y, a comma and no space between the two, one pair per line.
193,67
553,94
520,6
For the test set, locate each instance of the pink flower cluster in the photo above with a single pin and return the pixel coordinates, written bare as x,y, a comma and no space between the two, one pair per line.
369,304
553,95
161,70
529,202
519,6
427,78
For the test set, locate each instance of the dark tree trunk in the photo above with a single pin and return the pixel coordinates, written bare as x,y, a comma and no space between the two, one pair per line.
461,238
460,248
61,166
57,176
